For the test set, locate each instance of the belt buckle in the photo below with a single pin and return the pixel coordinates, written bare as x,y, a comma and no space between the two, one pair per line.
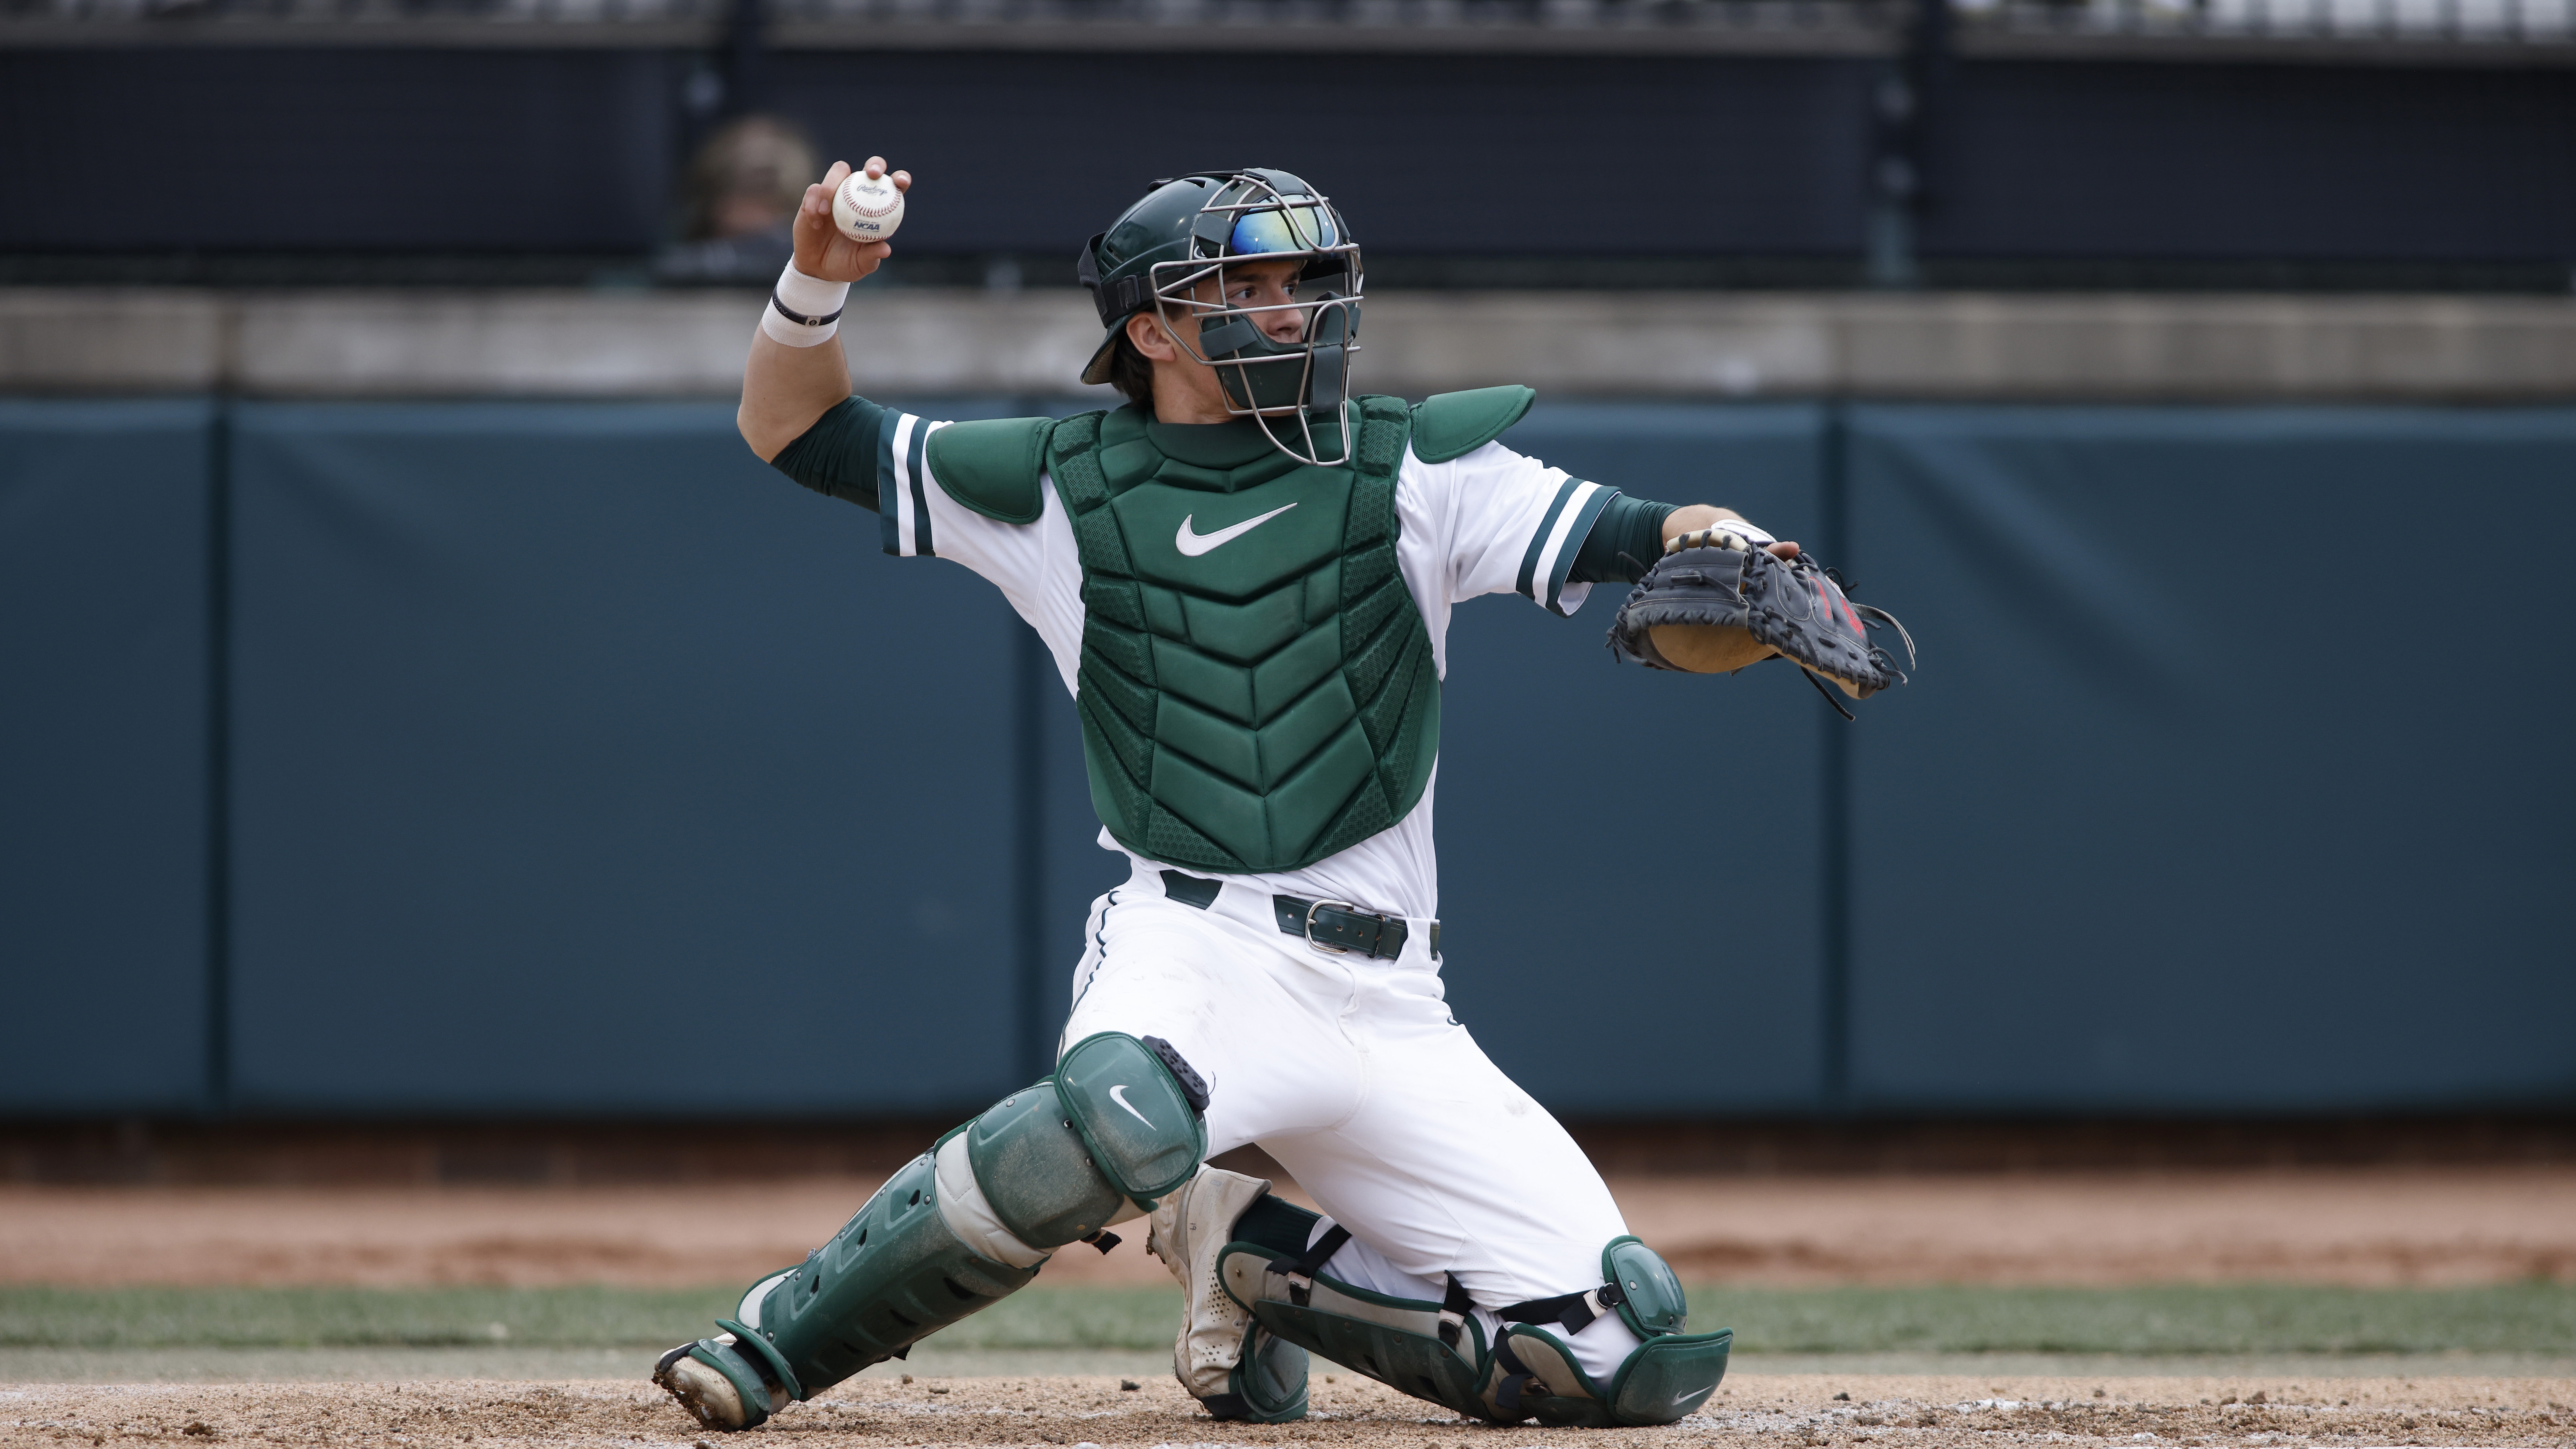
1381,917
1311,908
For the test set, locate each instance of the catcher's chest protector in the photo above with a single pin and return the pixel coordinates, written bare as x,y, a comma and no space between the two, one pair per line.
1256,685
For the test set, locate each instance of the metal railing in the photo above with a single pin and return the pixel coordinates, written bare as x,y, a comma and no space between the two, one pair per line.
2182,22
1639,26
1540,15
178,15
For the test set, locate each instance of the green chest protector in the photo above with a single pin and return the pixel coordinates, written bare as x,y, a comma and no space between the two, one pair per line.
1256,686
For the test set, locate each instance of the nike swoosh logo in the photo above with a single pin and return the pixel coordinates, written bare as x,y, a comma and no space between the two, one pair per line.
1118,1094
1192,545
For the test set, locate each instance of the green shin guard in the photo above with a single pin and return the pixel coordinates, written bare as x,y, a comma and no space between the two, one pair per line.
1663,1379
1437,1351
1429,1350
966,1223
893,1274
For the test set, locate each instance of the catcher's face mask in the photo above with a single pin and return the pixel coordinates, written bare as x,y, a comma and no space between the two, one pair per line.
1268,217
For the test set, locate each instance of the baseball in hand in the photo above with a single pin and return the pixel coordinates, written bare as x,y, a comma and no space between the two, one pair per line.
867,208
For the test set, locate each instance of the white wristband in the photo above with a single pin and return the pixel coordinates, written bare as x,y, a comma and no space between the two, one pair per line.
1705,537
815,303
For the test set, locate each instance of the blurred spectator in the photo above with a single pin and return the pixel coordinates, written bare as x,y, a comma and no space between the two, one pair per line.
740,192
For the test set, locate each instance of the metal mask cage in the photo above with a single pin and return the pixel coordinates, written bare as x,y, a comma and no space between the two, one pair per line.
1251,211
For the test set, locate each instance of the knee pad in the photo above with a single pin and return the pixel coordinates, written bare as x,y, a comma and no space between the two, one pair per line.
1666,1376
1116,1128
969,1222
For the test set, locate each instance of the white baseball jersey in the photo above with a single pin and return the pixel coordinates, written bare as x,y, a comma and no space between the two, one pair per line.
1491,522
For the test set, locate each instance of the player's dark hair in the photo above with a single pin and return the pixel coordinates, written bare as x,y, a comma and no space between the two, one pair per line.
1130,372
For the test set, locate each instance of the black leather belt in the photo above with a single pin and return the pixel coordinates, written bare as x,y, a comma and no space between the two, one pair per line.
1334,926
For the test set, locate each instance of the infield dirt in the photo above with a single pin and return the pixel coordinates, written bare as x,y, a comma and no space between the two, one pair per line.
1807,1410
2361,1226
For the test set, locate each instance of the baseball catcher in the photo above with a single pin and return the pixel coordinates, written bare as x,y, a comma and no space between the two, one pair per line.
1245,576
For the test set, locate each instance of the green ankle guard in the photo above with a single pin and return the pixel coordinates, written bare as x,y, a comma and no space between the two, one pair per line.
1268,1385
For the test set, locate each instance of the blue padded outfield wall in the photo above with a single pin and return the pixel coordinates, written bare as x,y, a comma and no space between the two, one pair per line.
104,754
2231,779
495,759
575,753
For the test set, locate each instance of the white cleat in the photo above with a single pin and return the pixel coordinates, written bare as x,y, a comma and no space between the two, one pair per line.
1187,1232
709,1396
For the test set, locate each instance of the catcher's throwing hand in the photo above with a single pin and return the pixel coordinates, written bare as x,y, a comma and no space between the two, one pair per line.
821,250
1715,603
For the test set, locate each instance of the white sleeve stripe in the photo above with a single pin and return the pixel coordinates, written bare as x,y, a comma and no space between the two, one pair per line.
922,482
1548,577
1564,595
901,454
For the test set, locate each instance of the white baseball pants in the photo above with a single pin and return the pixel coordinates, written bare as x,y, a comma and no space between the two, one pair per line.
1354,1075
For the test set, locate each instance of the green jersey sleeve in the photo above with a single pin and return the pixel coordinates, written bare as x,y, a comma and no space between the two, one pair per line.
1625,541
843,455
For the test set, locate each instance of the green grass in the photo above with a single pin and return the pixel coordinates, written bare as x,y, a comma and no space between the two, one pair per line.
2249,1318
2518,1318
545,1317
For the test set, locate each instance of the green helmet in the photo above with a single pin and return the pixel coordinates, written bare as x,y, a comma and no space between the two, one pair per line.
1188,229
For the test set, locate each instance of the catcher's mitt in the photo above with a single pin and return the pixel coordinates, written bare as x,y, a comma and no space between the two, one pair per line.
1715,603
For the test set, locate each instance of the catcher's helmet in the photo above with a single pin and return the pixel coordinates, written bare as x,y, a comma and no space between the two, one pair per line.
1190,228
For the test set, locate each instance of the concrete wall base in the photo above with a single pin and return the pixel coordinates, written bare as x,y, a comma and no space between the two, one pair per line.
1964,346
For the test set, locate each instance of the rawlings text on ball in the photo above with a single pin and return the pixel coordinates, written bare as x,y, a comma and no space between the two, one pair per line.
867,208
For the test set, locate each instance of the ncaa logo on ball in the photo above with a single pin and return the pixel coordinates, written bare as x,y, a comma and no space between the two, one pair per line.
867,208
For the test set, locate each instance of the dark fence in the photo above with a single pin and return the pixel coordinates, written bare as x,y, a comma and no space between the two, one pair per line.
1404,26
560,760
329,155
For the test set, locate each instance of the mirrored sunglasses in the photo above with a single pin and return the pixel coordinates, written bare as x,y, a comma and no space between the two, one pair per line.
1285,229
